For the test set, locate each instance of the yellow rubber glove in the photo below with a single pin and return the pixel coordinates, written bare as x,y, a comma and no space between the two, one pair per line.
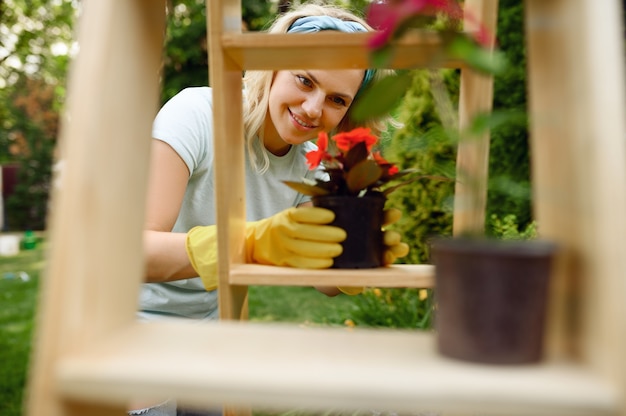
201,245
295,237
394,247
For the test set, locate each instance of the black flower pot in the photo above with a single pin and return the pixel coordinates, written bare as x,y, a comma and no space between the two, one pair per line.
362,218
491,299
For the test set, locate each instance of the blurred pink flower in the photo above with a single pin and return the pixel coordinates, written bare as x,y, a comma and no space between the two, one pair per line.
388,16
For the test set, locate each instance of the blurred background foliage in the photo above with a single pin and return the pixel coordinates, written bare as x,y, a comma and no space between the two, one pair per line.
37,44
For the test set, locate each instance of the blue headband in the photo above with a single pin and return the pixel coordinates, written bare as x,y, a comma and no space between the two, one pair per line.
310,24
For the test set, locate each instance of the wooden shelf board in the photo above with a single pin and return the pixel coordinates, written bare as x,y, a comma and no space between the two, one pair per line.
328,49
414,275
286,367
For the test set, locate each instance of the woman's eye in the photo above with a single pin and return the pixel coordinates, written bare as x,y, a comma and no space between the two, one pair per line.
338,100
304,81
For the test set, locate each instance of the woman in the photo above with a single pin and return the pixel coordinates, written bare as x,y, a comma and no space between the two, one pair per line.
283,111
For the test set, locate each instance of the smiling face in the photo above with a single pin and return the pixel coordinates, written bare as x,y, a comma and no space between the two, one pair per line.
305,103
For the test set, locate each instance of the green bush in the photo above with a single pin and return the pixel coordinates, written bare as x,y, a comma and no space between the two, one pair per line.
509,160
31,134
508,228
426,204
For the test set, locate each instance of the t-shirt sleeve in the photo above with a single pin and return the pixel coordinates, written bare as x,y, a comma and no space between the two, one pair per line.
185,122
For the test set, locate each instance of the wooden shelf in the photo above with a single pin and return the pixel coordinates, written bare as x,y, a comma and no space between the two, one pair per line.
415,275
283,367
329,50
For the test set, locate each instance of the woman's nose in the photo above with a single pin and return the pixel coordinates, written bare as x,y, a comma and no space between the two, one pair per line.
313,105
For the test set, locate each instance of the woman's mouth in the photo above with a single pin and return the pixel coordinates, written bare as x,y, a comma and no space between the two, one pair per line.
301,122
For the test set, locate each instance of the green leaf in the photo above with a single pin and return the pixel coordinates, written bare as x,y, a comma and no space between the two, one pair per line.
381,57
477,57
484,122
381,97
362,175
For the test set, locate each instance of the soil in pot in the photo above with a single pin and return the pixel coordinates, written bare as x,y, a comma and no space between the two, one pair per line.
362,218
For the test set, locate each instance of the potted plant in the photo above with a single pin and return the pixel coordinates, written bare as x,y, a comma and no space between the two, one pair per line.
355,184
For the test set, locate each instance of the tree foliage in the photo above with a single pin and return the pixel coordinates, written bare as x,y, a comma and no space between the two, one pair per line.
36,40
33,140
37,36
186,53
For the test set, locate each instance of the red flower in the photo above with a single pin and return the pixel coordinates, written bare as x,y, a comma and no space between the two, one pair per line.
346,140
352,167
315,157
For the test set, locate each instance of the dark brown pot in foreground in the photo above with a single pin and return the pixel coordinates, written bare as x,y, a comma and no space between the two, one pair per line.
491,299
362,218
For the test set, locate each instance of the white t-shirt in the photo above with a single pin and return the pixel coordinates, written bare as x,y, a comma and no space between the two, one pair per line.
186,123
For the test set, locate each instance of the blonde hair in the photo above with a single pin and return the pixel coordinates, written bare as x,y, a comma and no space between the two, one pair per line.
257,86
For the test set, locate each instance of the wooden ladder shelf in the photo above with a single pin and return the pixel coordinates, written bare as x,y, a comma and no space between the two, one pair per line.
92,357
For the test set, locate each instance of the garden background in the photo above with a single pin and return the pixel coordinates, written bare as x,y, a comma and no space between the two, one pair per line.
36,47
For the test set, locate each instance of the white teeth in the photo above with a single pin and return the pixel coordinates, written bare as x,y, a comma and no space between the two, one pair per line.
302,123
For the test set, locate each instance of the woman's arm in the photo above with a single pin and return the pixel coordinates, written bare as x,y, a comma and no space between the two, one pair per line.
165,254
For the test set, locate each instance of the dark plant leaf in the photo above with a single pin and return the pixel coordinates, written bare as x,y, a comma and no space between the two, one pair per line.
362,175
381,97
402,173
356,154
306,189
336,176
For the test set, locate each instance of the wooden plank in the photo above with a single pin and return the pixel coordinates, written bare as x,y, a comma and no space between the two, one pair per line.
555,191
603,320
229,170
95,264
472,166
577,109
329,49
416,276
341,369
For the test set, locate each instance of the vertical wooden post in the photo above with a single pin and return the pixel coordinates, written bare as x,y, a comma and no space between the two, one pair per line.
226,81
576,91
476,96
96,221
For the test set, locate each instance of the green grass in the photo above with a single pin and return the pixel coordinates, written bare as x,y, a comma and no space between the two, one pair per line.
18,300
297,304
